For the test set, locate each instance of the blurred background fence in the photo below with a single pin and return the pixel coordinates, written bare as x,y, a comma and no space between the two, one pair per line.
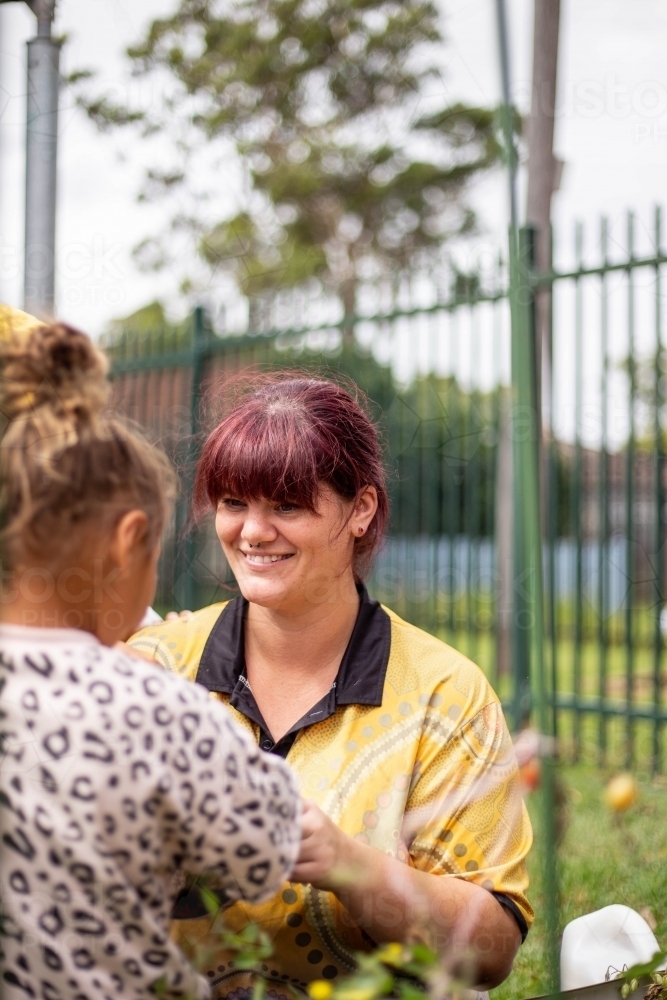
431,350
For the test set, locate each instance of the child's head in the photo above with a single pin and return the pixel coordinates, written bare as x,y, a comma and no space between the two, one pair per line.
83,499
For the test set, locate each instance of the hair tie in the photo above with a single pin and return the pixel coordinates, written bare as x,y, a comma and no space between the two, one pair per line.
26,400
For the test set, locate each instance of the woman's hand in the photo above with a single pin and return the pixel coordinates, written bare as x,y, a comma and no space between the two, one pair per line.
325,852
392,901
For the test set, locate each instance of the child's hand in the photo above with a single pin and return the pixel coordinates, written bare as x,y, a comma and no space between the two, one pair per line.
322,860
173,616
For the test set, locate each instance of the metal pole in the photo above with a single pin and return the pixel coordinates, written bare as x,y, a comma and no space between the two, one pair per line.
528,592
507,109
505,535
41,163
200,335
519,293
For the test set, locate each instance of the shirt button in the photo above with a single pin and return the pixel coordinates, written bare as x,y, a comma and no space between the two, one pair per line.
267,744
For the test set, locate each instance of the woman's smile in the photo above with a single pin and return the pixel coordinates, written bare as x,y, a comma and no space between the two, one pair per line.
257,559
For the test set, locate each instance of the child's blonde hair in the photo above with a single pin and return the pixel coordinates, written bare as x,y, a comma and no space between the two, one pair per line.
67,466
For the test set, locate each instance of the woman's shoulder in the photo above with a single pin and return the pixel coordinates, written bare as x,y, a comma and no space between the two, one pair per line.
178,645
419,660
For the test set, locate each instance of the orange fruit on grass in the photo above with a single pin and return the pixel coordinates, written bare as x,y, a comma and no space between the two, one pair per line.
621,792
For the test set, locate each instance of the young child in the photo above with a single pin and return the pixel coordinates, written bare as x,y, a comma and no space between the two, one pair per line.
116,777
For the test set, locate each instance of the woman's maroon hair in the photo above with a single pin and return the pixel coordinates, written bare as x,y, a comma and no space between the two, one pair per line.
285,436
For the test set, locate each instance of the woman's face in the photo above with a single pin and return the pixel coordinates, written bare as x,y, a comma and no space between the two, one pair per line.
290,559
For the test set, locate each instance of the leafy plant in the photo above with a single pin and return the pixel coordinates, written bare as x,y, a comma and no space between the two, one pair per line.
406,971
328,113
658,988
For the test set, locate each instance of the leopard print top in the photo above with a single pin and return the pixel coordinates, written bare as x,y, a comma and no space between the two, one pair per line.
116,778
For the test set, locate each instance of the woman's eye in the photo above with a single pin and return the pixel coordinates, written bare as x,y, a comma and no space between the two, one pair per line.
286,508
231,503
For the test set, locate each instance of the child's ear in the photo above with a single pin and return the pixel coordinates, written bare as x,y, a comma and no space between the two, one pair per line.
129,534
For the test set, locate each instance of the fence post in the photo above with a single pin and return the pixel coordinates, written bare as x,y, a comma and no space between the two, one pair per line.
530,674
199,346
524,433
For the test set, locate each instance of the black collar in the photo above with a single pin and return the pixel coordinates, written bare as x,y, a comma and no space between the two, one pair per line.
361,673
360,678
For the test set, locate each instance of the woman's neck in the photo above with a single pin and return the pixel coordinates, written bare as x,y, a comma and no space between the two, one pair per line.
292,660
306,638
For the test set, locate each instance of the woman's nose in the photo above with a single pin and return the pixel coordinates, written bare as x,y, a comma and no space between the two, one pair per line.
257,529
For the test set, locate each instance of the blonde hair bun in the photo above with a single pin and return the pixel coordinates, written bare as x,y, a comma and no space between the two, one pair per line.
54,366
68,466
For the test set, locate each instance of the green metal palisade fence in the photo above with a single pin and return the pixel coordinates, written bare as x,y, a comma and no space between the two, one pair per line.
435,362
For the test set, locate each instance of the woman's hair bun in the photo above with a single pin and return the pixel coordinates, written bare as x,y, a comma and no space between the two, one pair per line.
52,366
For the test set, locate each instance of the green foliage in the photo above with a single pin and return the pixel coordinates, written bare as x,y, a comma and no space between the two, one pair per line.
650,385
632,975
250,946
409,972
647,969
146,333
148,319
321,101
601,862
401,971
393,970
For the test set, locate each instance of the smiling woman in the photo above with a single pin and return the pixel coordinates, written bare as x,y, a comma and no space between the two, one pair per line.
415,822
287,437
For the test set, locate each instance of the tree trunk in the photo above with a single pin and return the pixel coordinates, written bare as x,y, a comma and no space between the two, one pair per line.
348,294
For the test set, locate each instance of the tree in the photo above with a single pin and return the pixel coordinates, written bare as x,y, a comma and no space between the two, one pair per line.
352,163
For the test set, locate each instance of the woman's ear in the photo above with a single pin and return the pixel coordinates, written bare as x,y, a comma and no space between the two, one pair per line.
128,538
364,510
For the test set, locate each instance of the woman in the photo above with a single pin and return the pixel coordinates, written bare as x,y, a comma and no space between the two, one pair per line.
398,741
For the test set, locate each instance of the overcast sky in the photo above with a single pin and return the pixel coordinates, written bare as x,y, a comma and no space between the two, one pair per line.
611,132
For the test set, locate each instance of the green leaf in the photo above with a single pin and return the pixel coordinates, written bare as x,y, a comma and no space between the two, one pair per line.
410,991
645,968
258,988
210,901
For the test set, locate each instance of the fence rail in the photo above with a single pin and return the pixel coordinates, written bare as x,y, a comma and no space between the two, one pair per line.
434,362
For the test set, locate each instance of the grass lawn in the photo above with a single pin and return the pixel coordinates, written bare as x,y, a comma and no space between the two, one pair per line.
602,861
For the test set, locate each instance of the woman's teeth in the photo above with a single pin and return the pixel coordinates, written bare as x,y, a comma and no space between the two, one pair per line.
251,557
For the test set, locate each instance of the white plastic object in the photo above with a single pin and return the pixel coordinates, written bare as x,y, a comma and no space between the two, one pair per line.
663,621
608,939
150,618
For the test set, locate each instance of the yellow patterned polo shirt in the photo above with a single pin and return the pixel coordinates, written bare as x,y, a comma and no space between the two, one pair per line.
408,752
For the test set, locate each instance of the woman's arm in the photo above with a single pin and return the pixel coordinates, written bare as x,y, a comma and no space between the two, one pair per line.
391,900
